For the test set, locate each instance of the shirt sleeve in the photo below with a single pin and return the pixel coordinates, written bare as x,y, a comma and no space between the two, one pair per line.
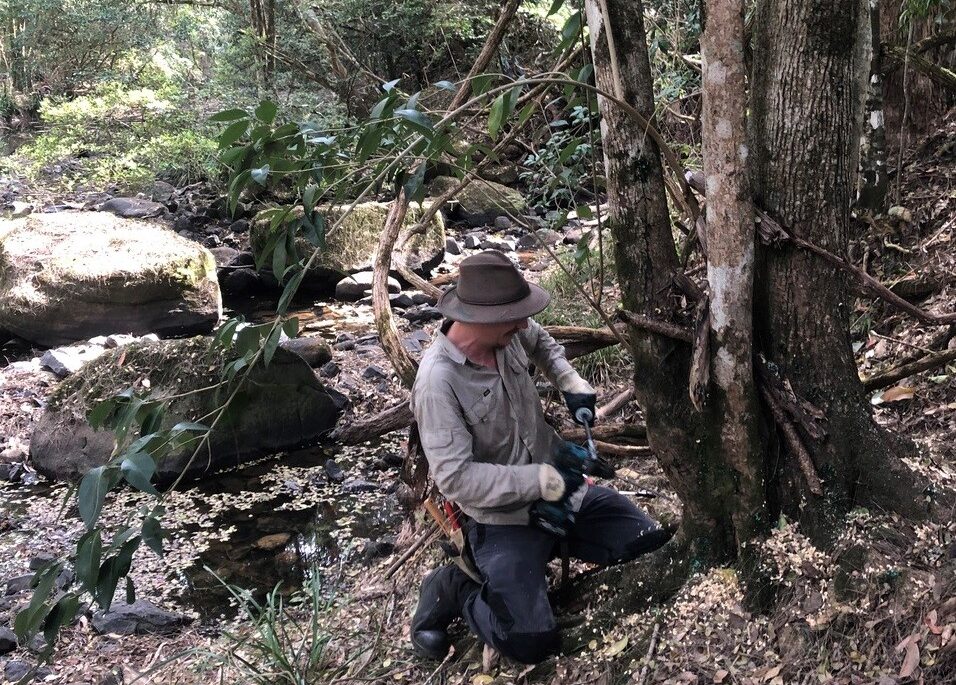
546,353
448,448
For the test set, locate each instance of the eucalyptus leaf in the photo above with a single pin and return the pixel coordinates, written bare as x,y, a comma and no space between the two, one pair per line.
229,115
266,111
93,489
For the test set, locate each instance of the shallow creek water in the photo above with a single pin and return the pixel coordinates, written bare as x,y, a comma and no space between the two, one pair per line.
273,521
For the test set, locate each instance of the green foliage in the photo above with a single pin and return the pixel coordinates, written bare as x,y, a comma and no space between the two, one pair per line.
119,136
57,46
286,642
557,172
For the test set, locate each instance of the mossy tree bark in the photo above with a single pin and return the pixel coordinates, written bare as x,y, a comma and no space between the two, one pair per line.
806,95
733,472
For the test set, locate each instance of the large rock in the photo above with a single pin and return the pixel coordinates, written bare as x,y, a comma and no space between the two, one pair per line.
285,407
351,247
138,617
481,202
74,275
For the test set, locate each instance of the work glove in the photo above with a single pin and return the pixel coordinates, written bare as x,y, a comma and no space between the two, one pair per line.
578,394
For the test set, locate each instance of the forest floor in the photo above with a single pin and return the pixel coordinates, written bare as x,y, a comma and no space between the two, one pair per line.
880,607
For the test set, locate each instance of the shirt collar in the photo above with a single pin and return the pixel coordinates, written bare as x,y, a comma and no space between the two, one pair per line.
451,350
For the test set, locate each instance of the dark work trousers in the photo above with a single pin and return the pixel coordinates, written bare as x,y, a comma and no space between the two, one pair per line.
511,611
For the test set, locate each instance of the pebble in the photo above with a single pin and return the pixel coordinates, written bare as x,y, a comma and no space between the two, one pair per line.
357,485
373,372
329,370
472,242
452,247
8,641
421,314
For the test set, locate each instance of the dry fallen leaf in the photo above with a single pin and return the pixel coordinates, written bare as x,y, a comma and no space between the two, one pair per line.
720,675
900,392
911,660
772,673
617,647
482,679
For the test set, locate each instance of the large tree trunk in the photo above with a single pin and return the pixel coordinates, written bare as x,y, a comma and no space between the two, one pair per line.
646,261
805,119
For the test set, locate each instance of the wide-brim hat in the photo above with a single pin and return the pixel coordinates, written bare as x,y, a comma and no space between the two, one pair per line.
490,289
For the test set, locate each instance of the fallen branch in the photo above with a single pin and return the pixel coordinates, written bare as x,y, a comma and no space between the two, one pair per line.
630,451
578,341
394,418
927,363
616,404
793,439
648,660
663,328
633,431
427,536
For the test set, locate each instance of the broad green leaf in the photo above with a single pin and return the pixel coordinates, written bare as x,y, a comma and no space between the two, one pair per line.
138,470
260,175
525,114
568,152
233,132
62,614
480,83
29,620
152,534
555,6
266,111
496,116
236,187
291,326
93,489
378,111
229,115
279,260
225,334
89,549
584,212
446,85
189,426
285,131
414,186
570,32
419,121
367,143
112,570
387,87
271,344
100,412
248,339
288,292
413,101
309,196
234,155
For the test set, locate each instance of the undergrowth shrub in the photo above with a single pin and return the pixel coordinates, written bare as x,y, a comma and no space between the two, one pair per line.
125,137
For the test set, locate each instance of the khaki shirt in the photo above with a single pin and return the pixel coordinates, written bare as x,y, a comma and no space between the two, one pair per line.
483,430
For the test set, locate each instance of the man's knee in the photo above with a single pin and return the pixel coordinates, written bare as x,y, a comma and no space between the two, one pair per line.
646,542
529,648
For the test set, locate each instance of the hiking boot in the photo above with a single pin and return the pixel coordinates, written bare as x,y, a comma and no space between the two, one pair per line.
443,595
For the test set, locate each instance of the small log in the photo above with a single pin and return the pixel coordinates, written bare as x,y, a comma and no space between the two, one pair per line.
927,363
611,431
793,439
394,418
663,328
616,404
629,451
579,341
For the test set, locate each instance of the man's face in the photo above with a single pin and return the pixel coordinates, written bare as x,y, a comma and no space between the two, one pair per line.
499,335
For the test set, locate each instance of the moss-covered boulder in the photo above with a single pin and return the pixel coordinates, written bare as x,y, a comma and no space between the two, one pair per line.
351,247
282,407
481,202
75,275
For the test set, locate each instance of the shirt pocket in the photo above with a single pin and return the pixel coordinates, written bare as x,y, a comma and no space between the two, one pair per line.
478,404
